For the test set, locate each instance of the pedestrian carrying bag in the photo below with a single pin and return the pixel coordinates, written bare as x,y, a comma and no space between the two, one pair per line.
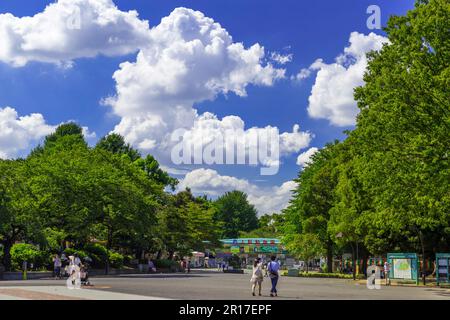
258,272
272,274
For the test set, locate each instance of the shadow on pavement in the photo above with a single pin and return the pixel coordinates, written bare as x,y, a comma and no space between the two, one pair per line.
159,276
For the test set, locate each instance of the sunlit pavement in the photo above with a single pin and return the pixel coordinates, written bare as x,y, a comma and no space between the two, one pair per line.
206,285
63,293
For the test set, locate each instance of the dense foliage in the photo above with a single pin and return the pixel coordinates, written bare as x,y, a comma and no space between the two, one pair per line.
106,202
236,213
387,186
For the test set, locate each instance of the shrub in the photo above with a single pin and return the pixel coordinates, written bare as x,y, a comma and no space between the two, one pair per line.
71,251
327,275
128,259
166,264
21,252
234,262
116,260
97,253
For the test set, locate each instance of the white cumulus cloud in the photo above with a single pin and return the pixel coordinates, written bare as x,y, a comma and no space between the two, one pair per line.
304,159
186,59
266,200
189,58
332,94
71,29
18,133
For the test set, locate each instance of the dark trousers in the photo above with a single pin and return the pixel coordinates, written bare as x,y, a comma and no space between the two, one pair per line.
274,284
57,272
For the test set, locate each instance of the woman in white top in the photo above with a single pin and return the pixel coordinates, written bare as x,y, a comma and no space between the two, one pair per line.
74,280
257,276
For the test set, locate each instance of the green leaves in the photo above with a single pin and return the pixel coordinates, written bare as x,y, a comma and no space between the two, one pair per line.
305,246
388,184
67,192
236,214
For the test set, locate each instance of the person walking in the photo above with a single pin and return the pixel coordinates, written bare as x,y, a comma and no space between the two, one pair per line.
57,263
273,267
386,272
151,266
257,276
183,266
74,279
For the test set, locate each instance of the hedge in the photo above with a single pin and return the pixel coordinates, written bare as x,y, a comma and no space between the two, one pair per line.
326,275
21,252
166,264
116,260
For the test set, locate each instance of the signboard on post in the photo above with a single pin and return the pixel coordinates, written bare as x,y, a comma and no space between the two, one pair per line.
403,266
442,267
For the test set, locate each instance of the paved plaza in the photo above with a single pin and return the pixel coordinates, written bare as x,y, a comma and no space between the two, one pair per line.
207,285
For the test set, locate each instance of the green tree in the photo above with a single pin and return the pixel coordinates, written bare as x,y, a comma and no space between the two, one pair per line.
305,246
269,226
235,213
116,144
309,210
154,172
19,217
402,132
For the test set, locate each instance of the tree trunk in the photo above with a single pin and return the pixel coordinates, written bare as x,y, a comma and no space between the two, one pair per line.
357,256
353,262
7,245
108,247
171,253
329,256
159,254
423,257
364,257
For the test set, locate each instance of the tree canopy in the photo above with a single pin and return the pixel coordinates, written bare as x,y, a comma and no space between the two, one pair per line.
386,187
235,213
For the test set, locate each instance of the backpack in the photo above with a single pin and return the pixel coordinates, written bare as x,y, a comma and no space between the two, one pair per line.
272,274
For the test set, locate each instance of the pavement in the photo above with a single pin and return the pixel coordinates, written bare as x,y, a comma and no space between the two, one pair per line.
210,285
53,292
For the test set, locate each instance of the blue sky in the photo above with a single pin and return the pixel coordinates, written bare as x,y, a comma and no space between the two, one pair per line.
307,30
